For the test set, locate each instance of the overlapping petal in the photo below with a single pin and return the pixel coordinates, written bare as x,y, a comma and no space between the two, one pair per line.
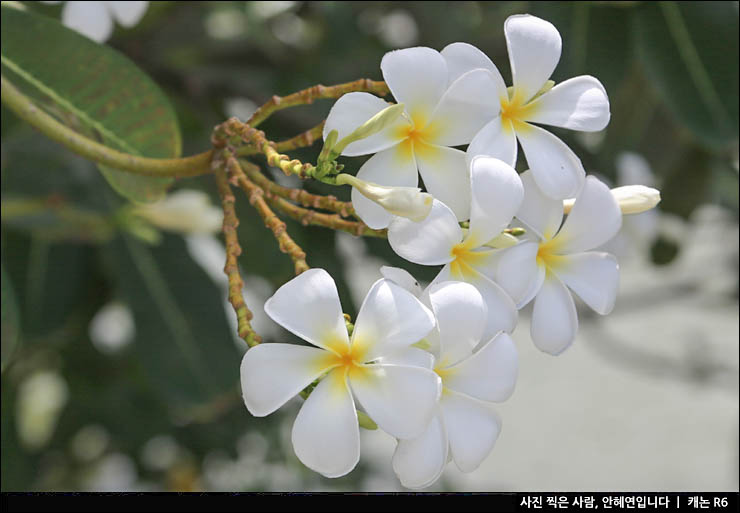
579,103
308,306
326,435
463,57
539,212
390,319
461,318
417,77
446,176
465,107
518,272
557,170
419,462
593,276
534,50
489,374
495,140
472,429
403,278
400,399
496,194
428,242
554,319
391,167
350,112
271,374
594,219
502,313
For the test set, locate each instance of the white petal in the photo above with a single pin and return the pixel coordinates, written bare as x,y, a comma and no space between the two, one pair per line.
518,273
593,276
554,319
390,319
495,140
403,278
464,57
540,213
428,242
472,429
502,313
401,400
326,435
579,103
350,112
534,50
308,306
271,374
557,170
90,19
461,318
417,77
497,193
466,106
489,374
419,462
594,219
446,176
128,14
412,356
392,167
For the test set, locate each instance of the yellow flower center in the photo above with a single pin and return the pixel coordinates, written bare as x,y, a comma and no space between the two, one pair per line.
514,112
547,254
465,259
348,360
417,135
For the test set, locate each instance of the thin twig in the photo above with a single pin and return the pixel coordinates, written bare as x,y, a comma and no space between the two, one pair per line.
231,269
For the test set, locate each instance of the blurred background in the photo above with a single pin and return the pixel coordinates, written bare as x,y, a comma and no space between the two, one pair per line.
124,365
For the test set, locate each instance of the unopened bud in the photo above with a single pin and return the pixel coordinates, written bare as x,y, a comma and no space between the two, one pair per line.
632,199
372,126
407,202
184,211
503,240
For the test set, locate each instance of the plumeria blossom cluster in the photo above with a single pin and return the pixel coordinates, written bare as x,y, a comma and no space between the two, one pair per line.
427,366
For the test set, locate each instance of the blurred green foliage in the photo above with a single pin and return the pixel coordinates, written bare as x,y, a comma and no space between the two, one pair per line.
671,73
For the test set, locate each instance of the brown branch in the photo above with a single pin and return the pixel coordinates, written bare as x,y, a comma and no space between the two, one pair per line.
302,140
273,222
316,92
233,250
311,217
300,196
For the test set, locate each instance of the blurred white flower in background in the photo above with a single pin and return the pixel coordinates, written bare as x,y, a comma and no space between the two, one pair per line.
183,211
112,328
90,442
41,398
96,19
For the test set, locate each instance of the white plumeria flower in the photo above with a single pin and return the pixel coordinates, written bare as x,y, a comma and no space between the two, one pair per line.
579,103
496,195
438,114
465,425
95,19
399,398
183,211
560,259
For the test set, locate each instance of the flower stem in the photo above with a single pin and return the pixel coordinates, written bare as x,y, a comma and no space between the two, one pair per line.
28,111
316,92
311,217
231,269
300,196
273,222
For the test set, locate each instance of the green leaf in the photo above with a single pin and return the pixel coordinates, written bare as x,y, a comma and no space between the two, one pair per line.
690,52
183,339
10,320
95,90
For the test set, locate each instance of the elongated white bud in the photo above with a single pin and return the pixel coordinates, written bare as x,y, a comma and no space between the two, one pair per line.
372,126
632,199
407,202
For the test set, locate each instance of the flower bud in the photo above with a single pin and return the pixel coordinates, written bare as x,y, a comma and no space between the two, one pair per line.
184,211
407,202
632,199
372,126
